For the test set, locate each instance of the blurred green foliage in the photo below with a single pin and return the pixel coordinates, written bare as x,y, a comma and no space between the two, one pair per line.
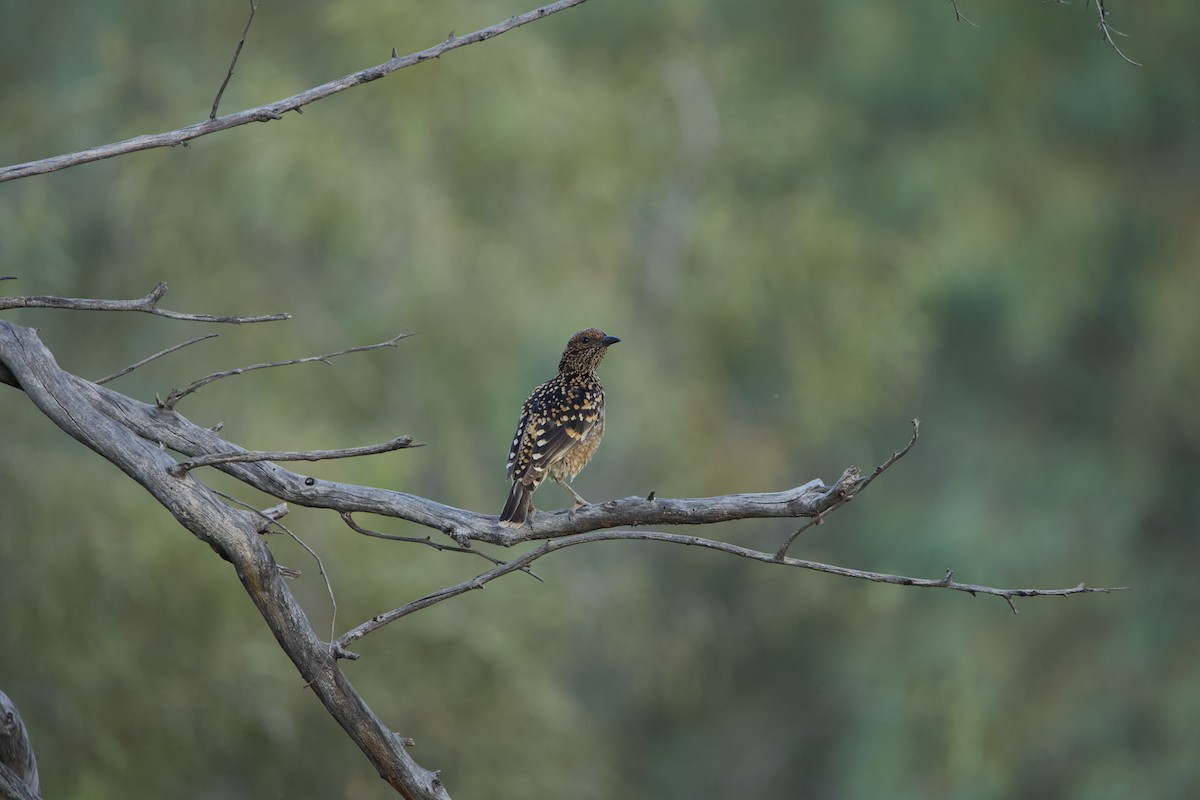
809,222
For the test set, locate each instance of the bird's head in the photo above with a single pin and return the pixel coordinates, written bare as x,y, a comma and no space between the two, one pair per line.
585,349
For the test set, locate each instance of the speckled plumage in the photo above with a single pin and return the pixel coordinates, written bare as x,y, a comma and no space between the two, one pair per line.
561,425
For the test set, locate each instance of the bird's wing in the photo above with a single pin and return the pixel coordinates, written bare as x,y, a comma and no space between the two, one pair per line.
567,416
514,450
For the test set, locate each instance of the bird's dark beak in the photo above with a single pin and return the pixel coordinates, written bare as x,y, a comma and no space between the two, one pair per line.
607,340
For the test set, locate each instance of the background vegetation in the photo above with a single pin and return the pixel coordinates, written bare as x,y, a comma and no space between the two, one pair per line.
808,221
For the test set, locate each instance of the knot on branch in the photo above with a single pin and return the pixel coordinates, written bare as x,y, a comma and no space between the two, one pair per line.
848,484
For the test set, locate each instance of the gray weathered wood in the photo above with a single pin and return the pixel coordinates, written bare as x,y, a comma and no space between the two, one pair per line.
139,438
18,766
73,404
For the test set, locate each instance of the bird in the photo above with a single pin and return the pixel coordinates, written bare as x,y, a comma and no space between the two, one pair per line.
15,751
560,428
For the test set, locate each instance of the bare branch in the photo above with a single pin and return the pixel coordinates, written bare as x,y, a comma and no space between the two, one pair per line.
425,540
241,42
379,620
276,110
135,437
146,305
399,443
159,354
18,764
958,17
179,434
265,520
812,499
70,402
324,577
175,395
523,562
858,487
896,456
12,787
1103,25
1108,31
787,543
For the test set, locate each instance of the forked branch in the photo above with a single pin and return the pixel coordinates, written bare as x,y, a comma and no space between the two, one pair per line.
75,406
155,357
479,581
175,395
399,443
136,437
276,110
1108,31
237,52
145,305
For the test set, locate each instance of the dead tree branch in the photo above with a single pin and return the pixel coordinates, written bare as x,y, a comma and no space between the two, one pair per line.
18,765
140,439
958,16
146,305
425,540
276,110
159,354
1108,32
175,395
1106,29
12,787
399,443
820,516
237,52
523,562
71,403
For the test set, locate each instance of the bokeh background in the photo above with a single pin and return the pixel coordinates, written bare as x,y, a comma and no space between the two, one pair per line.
809,222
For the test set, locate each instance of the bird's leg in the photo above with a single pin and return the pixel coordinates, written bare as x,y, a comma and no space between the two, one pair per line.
579,501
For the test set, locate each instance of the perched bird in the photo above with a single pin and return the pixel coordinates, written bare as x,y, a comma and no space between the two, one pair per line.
15,751
560,428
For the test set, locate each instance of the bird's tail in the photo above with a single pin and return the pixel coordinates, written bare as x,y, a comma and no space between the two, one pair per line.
516,508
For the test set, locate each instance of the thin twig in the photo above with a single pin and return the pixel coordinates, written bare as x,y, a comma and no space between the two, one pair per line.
348,518
478,582
175,395
270,518
781,553
1109,31
159,354
958,16
858,486
399,443
325,577
276,110
916,426
213,114
146,305
8,277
